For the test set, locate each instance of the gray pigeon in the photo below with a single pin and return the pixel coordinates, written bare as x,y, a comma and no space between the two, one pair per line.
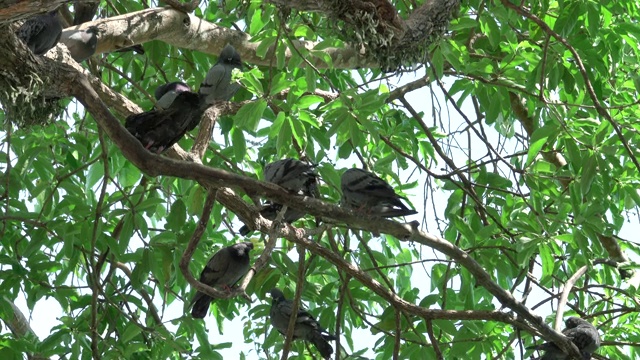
584,335
294,175
224,269
297,177
365,191
165,94
81,43
217,84
158,130
306,327
84,11
41,32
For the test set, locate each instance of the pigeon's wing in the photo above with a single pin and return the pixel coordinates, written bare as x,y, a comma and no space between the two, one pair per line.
158,130
216,267
361,189
586,337
210,275
293,175
49,30
215,83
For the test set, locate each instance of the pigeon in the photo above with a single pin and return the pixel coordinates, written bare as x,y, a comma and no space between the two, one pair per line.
217,84
584,335
165,94
158,130
306,327
84,11
295,176
224,268
366,191
41,32
81,43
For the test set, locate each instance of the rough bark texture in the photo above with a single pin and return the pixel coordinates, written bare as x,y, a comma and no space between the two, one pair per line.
12,10
187,31
376,27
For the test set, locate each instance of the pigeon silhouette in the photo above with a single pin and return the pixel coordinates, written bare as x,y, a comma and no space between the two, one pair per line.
295,176
41,32
584,335
306,327
158,130
225,268
363,190
217,84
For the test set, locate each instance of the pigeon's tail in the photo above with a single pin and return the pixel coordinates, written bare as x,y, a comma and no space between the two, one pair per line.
321,342
201,304
244,230
135,48
396,212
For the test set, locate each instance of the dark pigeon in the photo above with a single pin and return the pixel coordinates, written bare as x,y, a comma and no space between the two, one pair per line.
297,177
84,11
81,43
225,268
158,130
165,94
306,327
584,335
365,191
217,84
41,32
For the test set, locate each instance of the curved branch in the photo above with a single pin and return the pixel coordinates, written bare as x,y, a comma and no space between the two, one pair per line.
565,296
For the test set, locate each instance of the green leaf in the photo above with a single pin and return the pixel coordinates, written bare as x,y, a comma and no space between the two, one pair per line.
250,114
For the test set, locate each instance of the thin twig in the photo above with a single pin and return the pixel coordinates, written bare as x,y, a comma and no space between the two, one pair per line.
565,296
295,305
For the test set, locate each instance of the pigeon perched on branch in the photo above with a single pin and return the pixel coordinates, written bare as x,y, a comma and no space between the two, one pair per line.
41,32
225,268
165,94
158,130
295,176
217,84
584,335
81,43
363,190
306,327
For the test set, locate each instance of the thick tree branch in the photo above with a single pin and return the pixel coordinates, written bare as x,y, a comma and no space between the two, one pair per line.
187,31
12,10
19,327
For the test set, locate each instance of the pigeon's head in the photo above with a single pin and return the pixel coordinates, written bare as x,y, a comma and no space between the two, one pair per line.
573,322
230,56
276,294
92,30
243,248
176,86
